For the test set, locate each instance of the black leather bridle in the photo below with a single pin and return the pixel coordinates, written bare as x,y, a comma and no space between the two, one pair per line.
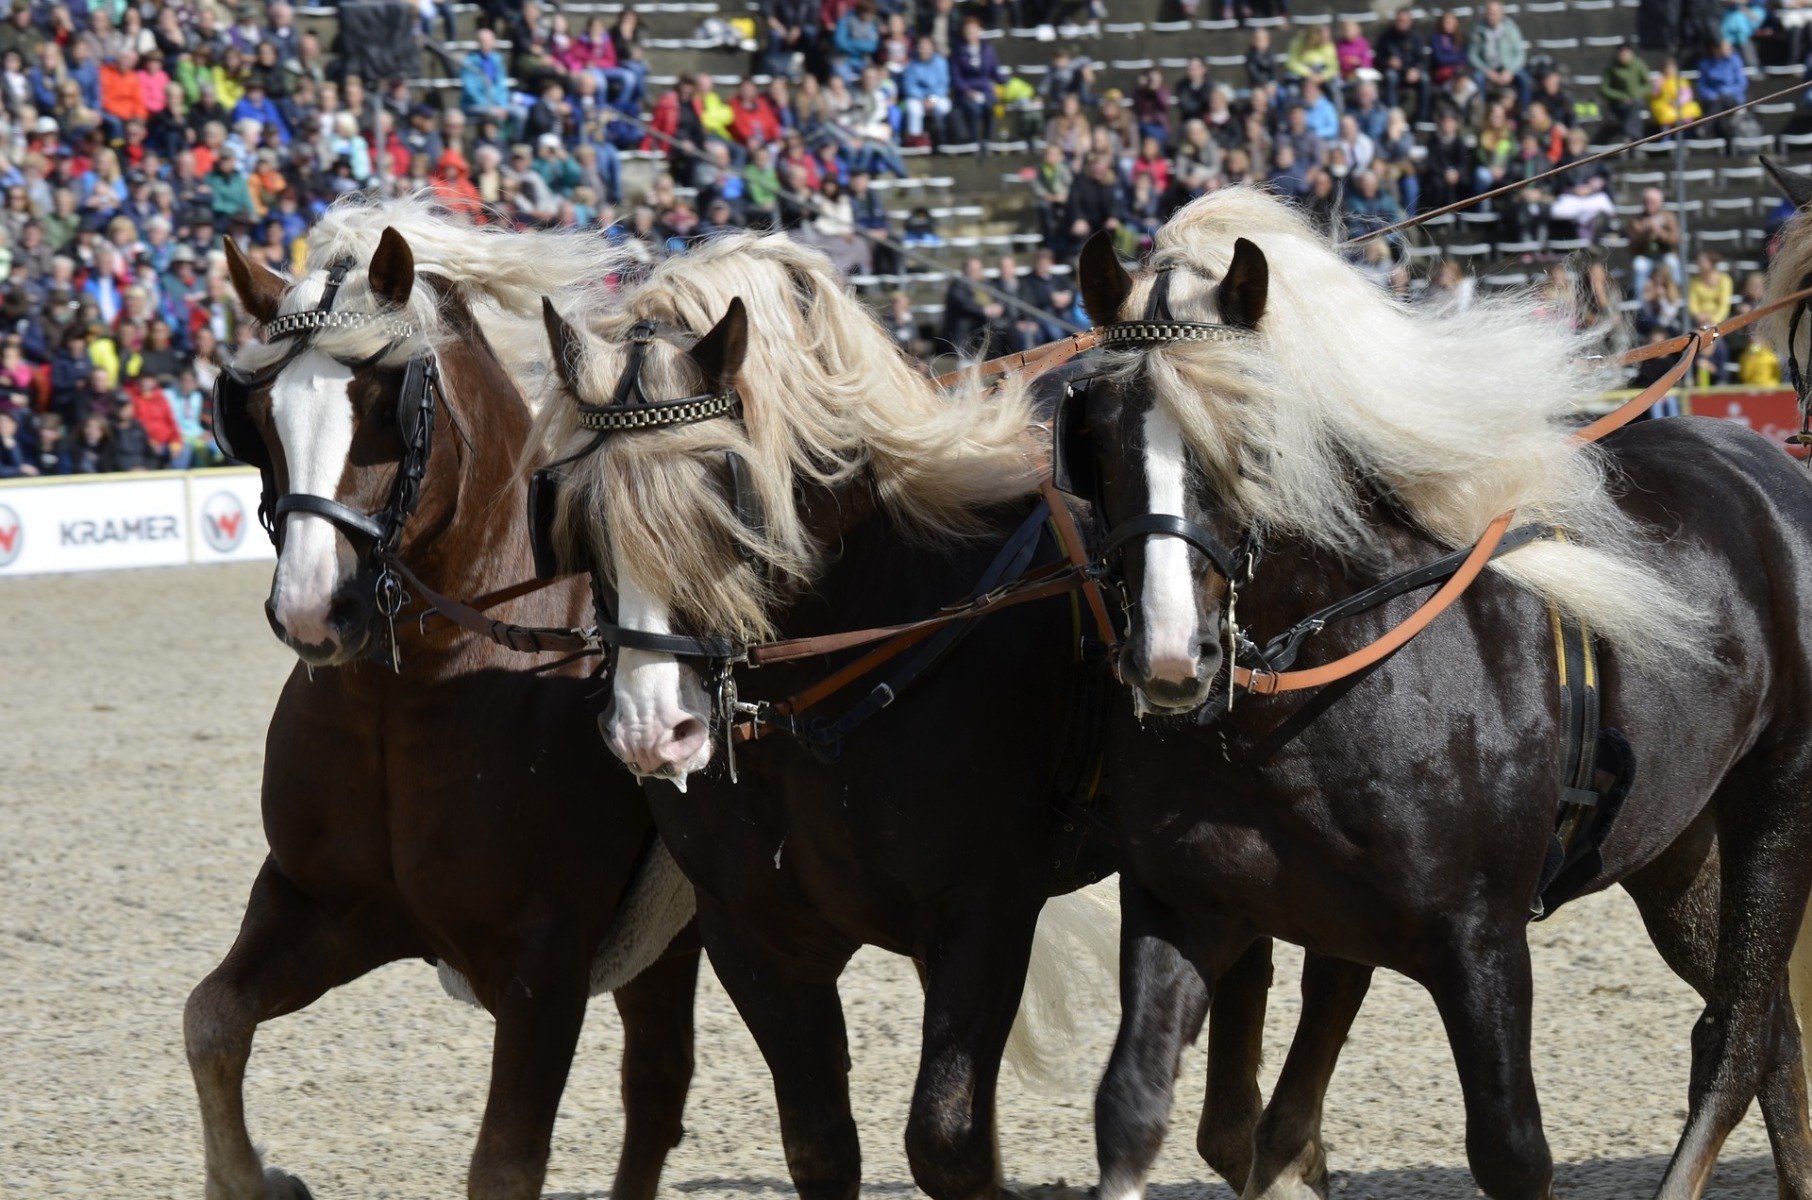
630,409
379,533
1158,327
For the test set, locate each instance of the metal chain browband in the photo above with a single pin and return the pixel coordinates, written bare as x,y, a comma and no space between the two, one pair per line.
314,320
1149,333
607,418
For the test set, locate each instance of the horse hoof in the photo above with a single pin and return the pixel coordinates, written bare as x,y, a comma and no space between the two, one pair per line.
281,1185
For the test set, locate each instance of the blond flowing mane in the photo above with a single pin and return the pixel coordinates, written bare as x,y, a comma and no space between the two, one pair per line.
501,273
1792,264
1458,416
828,400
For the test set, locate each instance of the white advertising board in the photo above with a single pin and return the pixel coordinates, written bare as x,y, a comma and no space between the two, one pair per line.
106,522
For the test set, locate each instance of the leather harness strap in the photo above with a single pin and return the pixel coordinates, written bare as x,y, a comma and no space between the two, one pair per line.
1035,361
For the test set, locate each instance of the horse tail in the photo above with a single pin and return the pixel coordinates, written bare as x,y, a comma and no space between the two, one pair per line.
1075,950
1799,986
658,904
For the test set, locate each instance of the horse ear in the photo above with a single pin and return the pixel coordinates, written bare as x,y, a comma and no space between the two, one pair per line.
720,353
260,288
1242,293
1104,282
392,270
1797,187
568,346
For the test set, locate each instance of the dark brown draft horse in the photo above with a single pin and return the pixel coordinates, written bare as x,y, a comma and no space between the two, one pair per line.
459,807
920,809
1277,435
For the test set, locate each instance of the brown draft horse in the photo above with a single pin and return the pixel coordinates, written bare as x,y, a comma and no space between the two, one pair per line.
460,809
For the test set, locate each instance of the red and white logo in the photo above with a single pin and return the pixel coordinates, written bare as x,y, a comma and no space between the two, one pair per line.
12,536
223,522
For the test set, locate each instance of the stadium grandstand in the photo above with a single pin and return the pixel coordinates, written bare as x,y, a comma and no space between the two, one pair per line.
949,157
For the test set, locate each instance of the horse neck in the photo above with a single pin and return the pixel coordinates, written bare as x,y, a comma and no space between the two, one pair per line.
481,543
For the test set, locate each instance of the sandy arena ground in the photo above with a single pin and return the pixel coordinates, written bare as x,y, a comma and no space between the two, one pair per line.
132,710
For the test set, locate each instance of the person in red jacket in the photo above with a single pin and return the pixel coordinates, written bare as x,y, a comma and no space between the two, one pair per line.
755,123
122,91
453,186
152,408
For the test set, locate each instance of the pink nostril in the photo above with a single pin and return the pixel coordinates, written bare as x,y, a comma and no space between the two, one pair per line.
1174,669
682,742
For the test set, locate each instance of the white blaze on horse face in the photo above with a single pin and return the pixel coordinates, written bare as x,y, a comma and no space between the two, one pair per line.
660,723
312,416
1168,602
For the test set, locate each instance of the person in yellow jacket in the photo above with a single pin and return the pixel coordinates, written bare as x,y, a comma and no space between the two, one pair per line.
1671,101
1708,302
714,112
1759,366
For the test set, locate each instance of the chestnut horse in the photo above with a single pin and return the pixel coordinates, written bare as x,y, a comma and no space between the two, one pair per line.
458,807
1411,825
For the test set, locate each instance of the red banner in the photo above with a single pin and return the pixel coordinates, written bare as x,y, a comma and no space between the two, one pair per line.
1773,414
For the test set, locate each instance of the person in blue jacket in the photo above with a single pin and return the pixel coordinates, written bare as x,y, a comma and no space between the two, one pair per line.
262,109
484,81
1723,78
925,92
974,70
856,38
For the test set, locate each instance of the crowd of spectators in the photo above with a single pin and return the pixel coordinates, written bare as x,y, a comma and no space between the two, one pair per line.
136,134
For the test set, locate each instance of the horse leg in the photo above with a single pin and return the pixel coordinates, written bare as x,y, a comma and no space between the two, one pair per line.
656,1007
1162,1002
1484,992
288,954
1236,1045
1764,878
796,1017
973,978
539,1010
1677,896
1289,1161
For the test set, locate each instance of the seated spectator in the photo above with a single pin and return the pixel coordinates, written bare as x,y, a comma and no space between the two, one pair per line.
132,447
754,121
974,70
901,325
856,39
1723,78
1369,207
1661,307
925,94
1498,54
1193,91
1312,56
18,451
1094,199
1288,177
1397,161
1261,63
1352,52
1671,100
968,312
1151,107
1496,149
484,81
761,186
53,445
896,47
1319,112
91,451
1708,302
791,30
1625,91
1582,195
1447,52
1400,56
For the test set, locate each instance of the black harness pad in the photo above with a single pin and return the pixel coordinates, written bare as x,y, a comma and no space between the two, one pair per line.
543,505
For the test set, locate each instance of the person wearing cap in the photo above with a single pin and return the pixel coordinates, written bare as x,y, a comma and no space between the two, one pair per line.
554,165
